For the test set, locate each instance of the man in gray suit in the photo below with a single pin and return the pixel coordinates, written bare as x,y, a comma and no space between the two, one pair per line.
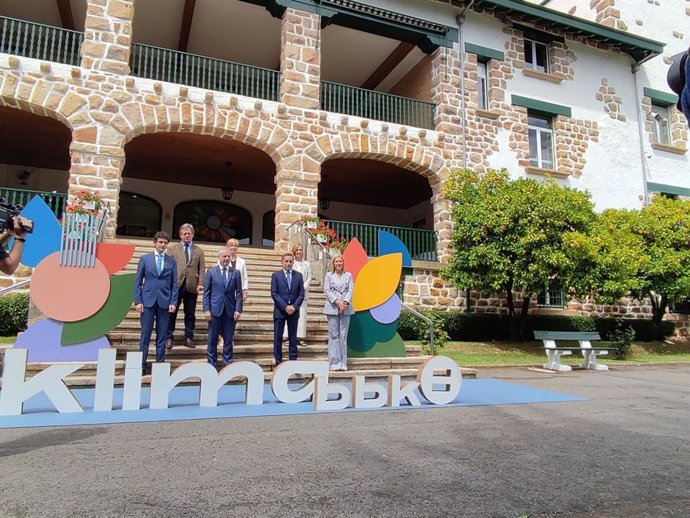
155,295
191,269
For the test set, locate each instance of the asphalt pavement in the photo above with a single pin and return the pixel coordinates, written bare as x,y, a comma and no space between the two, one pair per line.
624,452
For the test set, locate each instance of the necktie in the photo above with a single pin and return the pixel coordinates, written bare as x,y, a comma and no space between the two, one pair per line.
159,263
288,276
186,252
225,276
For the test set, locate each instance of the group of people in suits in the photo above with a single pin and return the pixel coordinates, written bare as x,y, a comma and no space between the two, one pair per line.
166,281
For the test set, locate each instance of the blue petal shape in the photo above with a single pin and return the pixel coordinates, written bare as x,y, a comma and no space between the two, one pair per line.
42,340
390,243
46,236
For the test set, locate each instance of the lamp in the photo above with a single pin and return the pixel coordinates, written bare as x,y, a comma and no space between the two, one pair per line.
227,192
23,176
324,203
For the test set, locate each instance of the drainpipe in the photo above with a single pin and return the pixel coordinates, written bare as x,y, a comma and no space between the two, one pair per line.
640,130
460,20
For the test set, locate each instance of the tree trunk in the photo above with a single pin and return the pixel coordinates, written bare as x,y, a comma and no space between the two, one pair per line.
523,314
659,306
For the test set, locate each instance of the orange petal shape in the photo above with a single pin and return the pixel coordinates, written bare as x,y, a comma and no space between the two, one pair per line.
377,281
355,257
114,256
69,293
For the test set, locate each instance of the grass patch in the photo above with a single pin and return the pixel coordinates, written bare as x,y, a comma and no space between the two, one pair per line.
7,339
472,354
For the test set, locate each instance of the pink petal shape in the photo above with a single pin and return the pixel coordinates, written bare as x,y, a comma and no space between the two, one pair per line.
355,257
114,256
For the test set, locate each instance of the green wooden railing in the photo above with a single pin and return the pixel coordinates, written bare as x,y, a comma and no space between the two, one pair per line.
421,243
34,40
203,72
370,104
55,200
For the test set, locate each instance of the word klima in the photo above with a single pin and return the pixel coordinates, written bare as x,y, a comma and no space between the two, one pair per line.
438,389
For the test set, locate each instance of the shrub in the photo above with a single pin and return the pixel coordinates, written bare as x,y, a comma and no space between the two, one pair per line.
411,327
14,312
622,337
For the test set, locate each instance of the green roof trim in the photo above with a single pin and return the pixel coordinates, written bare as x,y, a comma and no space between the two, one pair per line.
660,98
541,106
668,189
638,47
427,35
484,52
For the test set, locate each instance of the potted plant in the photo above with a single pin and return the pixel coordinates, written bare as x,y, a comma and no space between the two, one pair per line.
323,234
311,221
337,245
87,203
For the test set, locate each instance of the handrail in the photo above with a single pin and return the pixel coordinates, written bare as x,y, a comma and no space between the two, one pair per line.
39,41
14,286
428,321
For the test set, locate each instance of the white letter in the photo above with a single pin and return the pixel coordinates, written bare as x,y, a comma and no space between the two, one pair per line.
162,382
105,380
131,394
49,381
281,376
450,381
359,389
397,392
321,391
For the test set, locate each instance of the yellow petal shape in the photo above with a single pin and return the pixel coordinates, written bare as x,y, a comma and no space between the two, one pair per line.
377,281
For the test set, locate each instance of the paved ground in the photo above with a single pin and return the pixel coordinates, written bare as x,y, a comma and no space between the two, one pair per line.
623,453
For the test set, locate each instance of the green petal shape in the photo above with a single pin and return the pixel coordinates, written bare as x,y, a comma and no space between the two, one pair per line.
393,348
364,331
105,319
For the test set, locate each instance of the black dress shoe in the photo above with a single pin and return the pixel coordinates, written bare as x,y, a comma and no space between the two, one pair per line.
168,343
189,343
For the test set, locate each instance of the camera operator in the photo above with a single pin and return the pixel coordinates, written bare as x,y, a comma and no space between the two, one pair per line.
10,260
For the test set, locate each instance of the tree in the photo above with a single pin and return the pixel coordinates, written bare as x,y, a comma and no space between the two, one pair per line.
637,253
509,234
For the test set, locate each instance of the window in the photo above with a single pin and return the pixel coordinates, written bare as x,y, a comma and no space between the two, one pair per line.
536,55
215,221
138,216
482,90
552,296
660,125
541,152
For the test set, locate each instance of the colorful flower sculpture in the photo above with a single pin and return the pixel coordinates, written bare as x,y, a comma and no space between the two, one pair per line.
82,303
373,327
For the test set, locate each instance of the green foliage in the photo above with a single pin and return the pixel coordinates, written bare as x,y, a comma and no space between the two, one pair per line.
640,254
510,235
485,327
411,327
14,312
622,337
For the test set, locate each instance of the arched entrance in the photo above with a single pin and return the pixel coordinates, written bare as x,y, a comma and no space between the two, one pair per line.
203,178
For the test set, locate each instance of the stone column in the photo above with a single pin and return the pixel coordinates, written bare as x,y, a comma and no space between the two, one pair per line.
445,90
300,59
97,168
107,35
297,181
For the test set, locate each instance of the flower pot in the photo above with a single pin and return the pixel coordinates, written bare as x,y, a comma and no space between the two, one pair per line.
311,224
321,239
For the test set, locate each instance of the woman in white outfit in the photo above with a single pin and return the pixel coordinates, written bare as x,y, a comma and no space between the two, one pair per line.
338,287
302,266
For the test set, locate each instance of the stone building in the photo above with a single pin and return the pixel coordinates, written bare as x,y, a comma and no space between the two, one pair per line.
245,115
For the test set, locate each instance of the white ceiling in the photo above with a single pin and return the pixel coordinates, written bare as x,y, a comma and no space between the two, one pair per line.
236,31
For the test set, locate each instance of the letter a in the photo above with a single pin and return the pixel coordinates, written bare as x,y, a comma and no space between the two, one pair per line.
15,390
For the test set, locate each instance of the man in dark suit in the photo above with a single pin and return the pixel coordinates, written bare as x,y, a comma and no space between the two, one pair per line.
222,306
191,268
287,292
155,295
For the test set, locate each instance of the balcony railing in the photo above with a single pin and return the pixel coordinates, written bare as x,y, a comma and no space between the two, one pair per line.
203,72
33,40
420,242
55,200
376,105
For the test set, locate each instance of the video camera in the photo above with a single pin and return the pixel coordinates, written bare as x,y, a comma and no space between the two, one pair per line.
9,214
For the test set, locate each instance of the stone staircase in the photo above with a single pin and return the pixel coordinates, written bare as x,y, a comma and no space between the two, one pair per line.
254,333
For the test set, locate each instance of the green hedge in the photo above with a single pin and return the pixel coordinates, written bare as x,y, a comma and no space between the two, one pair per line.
14,312
481,327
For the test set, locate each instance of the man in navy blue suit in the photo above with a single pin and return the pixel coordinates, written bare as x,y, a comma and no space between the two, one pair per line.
155,295
222,306
287,292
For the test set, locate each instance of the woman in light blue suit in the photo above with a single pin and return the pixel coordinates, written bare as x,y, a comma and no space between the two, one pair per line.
338,288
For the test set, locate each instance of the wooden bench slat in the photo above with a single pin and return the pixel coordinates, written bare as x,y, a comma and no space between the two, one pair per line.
566,335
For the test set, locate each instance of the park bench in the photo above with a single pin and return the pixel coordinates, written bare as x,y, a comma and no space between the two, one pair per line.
585,339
